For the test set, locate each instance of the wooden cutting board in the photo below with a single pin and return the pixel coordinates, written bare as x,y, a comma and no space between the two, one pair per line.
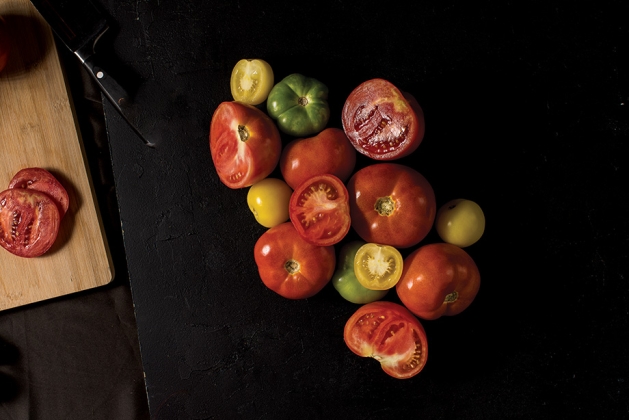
38,128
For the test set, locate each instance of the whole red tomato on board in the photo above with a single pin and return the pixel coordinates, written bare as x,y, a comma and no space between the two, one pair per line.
29,222
438,279
319,210
245,144
329,152
391,204
389,333
4,44
381,121
41,180
290,266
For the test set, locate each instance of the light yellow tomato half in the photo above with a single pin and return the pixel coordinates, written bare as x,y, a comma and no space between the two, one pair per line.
378,267
251,81
268,201
460,222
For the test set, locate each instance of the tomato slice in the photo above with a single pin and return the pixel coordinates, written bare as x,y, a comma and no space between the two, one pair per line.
389,333
251,81
378,267
40,179
319,210
29,222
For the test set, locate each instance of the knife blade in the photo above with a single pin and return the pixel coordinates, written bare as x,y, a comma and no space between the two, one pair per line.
79,25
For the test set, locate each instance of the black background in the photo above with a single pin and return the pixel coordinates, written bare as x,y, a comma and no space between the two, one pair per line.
526,107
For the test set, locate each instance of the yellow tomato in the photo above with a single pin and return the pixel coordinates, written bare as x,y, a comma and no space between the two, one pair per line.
268,201
460,222
378,267
251,81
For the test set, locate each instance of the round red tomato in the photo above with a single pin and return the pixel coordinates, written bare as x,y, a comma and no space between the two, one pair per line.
29,222
319,210
290,266
438,279
329,152
381,121
391,204
389,333
4,44
41,180
245,144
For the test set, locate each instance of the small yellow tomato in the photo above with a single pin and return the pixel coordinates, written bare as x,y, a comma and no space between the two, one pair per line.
251,81
268,201
378,267
460,222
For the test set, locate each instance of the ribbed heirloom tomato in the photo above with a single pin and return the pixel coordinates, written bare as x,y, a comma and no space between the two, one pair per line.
391,204
389,333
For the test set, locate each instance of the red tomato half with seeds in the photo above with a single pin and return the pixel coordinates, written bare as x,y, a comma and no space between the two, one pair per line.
29,222
41,180
290,266
381,121
389,333
319,210
245,144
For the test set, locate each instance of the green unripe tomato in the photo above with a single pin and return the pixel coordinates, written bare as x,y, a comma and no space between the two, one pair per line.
460,222
345,282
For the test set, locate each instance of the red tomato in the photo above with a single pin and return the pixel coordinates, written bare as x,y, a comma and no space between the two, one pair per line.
438,279
4,44
290,266
319,210
389,333
43,181
245,144
329,152
381,121
29,222
391,204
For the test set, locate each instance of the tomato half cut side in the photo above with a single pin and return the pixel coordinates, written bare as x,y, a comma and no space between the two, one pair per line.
378,267
319,210
40,179
389,333
29,222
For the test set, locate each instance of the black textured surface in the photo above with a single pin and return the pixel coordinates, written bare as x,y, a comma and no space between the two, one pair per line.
526,109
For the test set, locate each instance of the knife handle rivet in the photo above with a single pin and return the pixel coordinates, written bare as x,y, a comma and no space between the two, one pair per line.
100,74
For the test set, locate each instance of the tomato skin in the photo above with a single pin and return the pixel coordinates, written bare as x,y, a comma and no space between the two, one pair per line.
280,249
251,81
391,204
389,333
5,44
245,144
268,201
438,279
381,121
319,210
329,152
41,180
29,222
344,279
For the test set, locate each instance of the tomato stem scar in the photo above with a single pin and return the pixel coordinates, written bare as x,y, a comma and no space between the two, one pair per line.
385,206
303,101
451,297
291,266
243,133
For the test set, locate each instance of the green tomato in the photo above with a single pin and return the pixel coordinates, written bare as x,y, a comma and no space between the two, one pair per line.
460,222
300,105
345,282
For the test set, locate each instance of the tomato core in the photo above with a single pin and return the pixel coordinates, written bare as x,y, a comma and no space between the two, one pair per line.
451,297
243,133
291,266
385,206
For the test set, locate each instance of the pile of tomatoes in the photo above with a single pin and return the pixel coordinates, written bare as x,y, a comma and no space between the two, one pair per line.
321,197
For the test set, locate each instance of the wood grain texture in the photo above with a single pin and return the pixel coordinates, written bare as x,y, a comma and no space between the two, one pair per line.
38,128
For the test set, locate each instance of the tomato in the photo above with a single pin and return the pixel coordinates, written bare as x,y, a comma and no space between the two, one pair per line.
391,204
389,333
244,143
460,222
4,44
268,201
378,267
381,121
438,279
300,105
329,152
41,180
290,266
251,81
344,279
319,210
29,222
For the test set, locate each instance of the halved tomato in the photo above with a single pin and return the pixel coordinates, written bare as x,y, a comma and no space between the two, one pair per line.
251,81
40,179
378,267
319,210
389,333
245,144
29,222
